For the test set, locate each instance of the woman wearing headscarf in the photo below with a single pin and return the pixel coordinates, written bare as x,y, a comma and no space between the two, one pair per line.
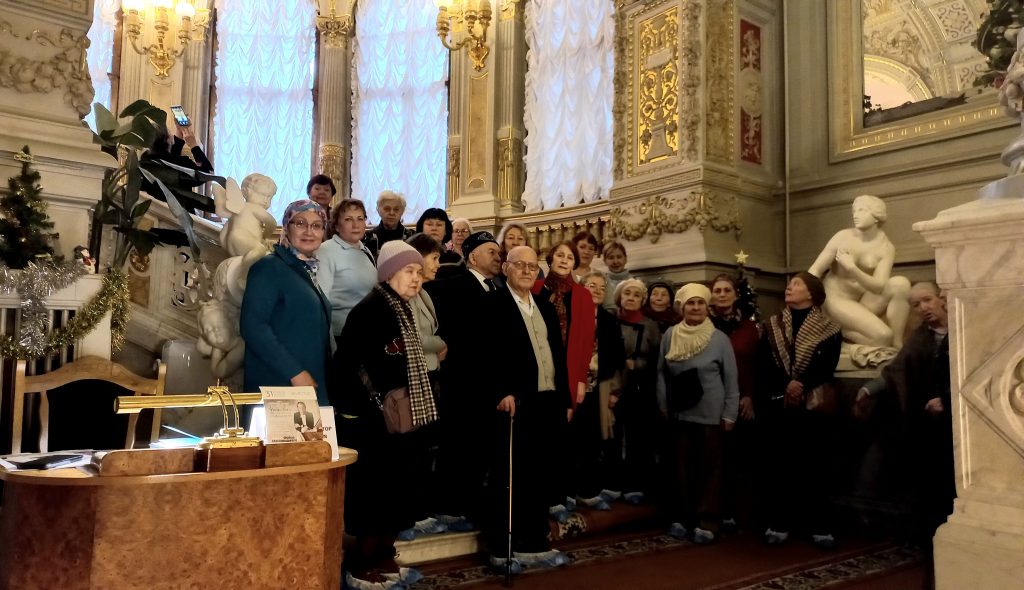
637,411
699,396
381,352
659,307
286,318
347,272
797,357
737,496
577,321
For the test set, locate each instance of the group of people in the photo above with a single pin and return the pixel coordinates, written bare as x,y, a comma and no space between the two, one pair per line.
456,367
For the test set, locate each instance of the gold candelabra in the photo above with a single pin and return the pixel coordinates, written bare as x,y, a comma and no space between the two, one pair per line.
334,28
468,19
191,24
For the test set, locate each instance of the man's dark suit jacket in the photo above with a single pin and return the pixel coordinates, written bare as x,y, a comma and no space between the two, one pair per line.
304,420
513,366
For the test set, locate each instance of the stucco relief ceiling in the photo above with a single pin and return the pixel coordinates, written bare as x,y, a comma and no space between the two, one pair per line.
920,49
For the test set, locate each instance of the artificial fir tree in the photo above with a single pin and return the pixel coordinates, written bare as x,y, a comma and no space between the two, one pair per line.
24,225
746,295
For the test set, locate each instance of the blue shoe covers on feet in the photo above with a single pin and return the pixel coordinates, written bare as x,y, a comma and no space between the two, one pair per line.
407,535
702,536
824,541
559,513
430,526
678,531
596,503
633,498
456,524
354,583
499,563
570,504
775,537
610,495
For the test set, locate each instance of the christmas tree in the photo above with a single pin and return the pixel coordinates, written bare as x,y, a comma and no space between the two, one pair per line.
24,225
746,294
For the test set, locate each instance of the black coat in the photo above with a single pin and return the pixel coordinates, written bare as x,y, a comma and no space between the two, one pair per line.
773,379
611,352
508,353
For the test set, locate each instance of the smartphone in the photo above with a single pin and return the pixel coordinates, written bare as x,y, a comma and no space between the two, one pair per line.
47,461
179,116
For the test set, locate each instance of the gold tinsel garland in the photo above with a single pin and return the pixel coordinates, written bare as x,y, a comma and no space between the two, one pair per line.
113,297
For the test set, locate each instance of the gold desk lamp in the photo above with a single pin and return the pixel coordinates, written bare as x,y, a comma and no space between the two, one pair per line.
231,447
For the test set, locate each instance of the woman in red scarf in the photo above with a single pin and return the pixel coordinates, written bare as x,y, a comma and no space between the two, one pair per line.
577,320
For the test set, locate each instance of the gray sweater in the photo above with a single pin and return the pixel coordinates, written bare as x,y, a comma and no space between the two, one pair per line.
716,367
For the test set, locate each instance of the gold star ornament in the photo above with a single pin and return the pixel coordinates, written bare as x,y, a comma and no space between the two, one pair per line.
741,257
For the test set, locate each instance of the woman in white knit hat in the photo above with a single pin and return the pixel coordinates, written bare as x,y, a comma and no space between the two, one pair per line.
381,352
698,394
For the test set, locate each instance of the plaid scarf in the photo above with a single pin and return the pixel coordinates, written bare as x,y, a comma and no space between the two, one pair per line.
424,411
793,356
560,288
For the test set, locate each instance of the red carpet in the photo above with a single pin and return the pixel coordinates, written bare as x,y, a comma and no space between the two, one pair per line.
655,562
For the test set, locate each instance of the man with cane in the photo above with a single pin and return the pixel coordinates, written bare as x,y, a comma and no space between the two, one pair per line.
531,396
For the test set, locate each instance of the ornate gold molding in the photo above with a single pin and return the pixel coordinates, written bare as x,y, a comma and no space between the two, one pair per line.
542,236
334,162
510,170
658,88
720,90
454,166
674,215
66,70
847,136
511,9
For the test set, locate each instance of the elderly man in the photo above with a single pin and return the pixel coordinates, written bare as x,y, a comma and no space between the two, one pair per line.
919,378
461,458
390,207
530,386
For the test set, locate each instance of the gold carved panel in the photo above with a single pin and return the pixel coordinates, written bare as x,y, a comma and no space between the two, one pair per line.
662,56
454,155
720,91
848,138
480,144
510,170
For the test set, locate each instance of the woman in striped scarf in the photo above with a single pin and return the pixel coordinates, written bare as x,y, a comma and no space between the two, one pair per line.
797,356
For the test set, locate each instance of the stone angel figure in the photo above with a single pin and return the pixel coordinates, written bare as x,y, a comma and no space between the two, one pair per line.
862,295
219,339
249,225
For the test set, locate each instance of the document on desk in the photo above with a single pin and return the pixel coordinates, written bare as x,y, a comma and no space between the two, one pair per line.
54,460
291,414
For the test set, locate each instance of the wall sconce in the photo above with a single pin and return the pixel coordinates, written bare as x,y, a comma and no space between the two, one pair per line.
334,28
191,25
468,19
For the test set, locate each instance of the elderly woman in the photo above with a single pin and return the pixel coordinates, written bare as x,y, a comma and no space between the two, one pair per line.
797,356
461,228
659,307
740,446
614,255
598,454
286,318
321,190
381,354
699,395
577,323
346,272
435,223
637,411
511,235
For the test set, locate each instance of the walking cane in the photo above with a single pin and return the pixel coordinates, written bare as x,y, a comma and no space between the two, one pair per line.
508,558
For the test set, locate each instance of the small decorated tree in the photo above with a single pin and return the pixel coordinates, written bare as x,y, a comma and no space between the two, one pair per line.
746,294
24,225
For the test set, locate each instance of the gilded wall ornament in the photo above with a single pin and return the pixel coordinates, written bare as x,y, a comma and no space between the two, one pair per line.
65,70
454,155
659,215
334,162
511,9
720,89
510,166
658,88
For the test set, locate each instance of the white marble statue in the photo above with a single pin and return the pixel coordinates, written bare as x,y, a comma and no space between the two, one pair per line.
250,226
865,299
220,340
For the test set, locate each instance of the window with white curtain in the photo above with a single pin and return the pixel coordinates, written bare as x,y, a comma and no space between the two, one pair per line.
263,116
400,108
100,55
569,93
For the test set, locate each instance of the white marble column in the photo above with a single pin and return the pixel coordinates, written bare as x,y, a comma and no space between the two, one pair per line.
334,101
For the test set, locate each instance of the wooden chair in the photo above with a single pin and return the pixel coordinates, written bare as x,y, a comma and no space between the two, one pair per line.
85,368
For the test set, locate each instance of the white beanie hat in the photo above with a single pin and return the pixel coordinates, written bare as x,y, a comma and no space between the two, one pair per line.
631,282
691,290
394,255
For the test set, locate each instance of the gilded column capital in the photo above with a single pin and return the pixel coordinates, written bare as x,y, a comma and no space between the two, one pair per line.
511,9
334,162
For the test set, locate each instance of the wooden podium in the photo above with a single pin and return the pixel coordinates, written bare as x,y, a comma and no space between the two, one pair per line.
111,527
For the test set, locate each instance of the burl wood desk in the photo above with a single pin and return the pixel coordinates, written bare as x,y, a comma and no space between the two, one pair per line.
274,528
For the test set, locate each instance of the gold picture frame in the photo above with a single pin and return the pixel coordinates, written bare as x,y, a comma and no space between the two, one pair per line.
848,138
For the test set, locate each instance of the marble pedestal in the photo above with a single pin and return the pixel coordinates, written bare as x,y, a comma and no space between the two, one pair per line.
979,253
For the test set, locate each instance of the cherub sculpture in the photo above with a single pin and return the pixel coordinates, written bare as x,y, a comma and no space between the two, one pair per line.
250,226
220,339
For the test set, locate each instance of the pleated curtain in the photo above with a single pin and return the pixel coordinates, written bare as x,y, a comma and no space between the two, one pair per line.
99,56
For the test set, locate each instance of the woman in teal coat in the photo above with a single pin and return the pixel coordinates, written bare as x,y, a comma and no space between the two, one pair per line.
286,318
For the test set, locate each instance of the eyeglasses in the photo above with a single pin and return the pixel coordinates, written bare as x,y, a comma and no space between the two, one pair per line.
301,225
521,266
595,287
461,232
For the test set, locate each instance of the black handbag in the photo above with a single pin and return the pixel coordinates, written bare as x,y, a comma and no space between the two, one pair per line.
684,390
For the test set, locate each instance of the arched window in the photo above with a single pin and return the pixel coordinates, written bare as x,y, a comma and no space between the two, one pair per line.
263,113
400,108
100,55
569,93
